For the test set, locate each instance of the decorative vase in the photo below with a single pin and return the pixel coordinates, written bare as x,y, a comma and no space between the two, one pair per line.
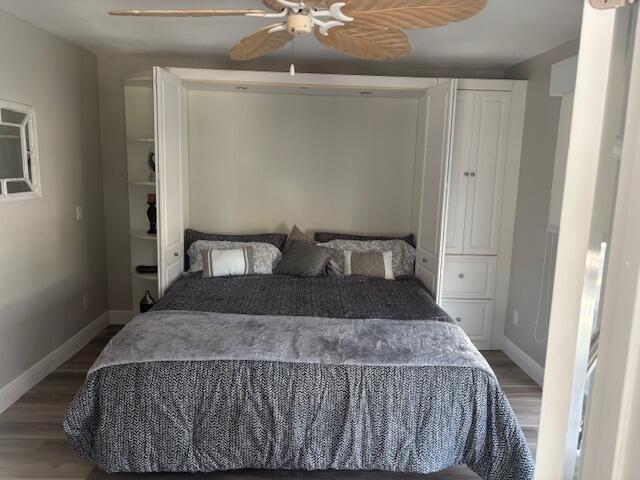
147,302
151,213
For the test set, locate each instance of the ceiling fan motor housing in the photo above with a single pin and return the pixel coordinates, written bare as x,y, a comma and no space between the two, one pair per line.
299,24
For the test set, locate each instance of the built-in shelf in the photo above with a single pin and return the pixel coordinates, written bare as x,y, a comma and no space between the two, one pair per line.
139,97
142,183
145,276
142,235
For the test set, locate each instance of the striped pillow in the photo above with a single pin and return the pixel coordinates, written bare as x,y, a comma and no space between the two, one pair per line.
369,264
224,263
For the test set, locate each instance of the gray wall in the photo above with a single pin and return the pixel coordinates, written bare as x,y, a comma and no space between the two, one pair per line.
48,261
534,189
253,168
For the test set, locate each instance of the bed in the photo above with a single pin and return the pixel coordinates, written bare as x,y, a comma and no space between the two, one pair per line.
279,372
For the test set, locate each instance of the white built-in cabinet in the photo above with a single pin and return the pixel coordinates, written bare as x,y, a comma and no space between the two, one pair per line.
469,277
155,123
477,172
140,140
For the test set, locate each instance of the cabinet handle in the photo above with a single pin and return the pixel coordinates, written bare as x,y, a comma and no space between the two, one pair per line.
461,275
424,260
466,174
473,174
175,254
458,319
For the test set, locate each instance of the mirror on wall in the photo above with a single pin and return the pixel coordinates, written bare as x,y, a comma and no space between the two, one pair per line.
18,152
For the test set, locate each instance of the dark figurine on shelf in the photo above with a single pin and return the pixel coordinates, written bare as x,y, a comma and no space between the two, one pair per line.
151,163
147,302
151,213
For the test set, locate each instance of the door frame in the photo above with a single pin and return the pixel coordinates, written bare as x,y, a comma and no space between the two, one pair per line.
615,396
570,324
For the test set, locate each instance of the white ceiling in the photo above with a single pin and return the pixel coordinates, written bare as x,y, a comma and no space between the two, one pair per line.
506,32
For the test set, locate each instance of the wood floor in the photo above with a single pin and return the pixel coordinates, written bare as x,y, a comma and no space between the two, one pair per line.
32,443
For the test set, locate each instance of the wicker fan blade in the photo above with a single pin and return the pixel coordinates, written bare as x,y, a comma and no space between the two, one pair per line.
185,13
260,43
408,14
364,41
274,5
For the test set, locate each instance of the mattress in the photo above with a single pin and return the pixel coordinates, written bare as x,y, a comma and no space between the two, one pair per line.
330,296
170,394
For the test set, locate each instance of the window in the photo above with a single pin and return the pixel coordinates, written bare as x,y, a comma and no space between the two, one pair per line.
19,173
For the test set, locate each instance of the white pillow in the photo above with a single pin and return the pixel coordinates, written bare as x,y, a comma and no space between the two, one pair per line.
265,256
224,263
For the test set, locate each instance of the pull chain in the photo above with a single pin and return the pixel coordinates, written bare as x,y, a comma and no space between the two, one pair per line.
292,68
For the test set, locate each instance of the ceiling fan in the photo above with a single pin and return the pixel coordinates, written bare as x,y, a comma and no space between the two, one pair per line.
368,29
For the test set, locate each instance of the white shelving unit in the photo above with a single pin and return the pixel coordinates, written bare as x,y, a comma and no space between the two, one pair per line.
138,94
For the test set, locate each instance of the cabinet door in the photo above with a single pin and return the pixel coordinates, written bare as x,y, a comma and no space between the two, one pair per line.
460,167
486,179
170,178
437,122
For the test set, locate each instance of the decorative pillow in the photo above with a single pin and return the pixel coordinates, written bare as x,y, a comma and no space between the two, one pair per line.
403,254
297,234
369,264
304,259
224,263
191,236
324,237
265,256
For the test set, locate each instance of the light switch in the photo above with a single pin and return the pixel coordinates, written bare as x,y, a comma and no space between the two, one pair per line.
79,212
516,318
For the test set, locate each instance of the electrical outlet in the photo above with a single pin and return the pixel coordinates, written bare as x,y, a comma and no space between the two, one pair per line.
85,302
78,213
515,318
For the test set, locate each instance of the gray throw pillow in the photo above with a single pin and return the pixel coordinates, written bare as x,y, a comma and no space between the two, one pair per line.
304,259
297,234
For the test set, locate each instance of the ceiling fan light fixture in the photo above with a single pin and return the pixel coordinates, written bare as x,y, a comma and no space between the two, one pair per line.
366,29
299,24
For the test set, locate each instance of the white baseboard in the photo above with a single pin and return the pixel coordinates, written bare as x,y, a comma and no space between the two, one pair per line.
524,361
11,392
120,317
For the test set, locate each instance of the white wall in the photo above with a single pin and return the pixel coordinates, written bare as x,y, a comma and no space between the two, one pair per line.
263,162
536,177
48,261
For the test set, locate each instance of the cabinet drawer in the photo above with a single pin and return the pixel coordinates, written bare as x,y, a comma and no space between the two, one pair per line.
467,276
474,316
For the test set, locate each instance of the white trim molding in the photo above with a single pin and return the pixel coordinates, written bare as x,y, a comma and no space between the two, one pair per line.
120,317
15,389
522,360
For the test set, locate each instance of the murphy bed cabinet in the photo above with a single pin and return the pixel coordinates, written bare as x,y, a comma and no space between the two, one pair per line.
467,159
472,280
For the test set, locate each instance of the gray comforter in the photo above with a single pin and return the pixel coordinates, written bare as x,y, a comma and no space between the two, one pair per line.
189,392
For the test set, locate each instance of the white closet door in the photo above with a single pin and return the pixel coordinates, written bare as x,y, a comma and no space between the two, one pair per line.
169,176
460,168
439,102
486,178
